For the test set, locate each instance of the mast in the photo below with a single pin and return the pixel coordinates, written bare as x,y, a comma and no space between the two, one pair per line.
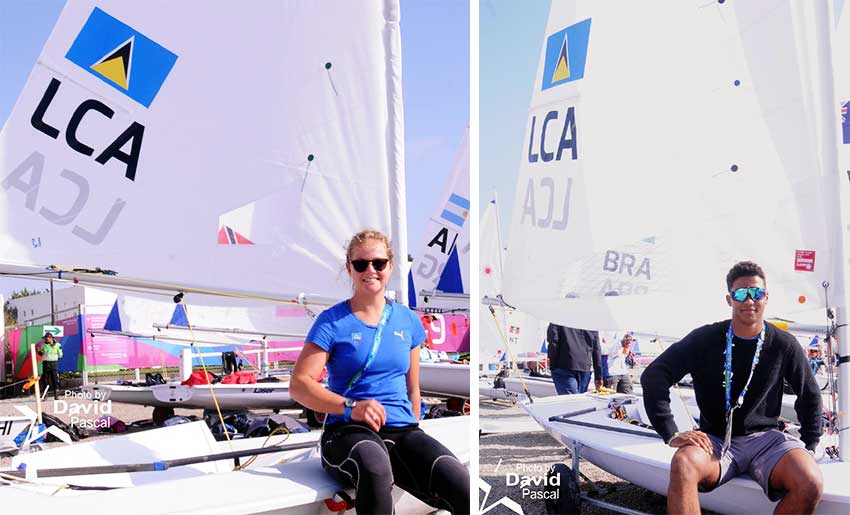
395,145
836,198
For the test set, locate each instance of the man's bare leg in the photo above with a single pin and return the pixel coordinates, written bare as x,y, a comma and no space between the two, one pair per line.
799,475
691,466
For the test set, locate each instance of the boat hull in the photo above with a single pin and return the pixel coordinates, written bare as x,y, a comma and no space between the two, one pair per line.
645,460
298,486
173,395
444,379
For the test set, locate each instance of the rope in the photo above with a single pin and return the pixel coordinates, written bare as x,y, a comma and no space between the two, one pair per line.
207,376
508,350
263,446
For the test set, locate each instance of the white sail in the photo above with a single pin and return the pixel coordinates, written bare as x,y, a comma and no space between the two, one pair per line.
491,252
447,233
650,168
243,160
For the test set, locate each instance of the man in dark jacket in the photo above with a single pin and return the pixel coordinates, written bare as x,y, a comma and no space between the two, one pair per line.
572,353
738,366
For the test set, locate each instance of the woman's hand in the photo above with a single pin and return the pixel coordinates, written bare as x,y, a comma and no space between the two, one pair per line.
370,412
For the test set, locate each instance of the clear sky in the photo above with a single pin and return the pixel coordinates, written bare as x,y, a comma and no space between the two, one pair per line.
511,35
435,68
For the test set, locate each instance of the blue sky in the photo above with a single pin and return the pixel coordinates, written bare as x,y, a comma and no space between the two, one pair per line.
511,35
435,67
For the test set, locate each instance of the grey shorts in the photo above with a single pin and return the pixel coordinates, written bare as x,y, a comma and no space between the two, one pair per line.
755,454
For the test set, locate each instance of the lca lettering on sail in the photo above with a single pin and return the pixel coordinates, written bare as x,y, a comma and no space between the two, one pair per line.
65,121
552,130
546,203
65,113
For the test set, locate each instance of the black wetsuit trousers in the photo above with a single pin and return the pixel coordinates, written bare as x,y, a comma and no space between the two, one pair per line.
50,375
406,456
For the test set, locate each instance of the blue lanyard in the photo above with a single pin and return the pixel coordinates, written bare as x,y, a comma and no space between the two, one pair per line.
727,374
376,342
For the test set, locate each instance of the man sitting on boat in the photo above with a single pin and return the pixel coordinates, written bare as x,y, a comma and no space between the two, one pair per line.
738,366
572,352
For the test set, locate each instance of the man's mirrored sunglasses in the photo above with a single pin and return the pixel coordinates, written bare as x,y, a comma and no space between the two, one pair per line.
740,295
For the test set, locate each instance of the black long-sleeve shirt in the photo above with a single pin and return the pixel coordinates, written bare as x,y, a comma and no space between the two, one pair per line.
701,353
574,349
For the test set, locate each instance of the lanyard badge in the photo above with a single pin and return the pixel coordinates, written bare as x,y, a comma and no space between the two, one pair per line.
727,382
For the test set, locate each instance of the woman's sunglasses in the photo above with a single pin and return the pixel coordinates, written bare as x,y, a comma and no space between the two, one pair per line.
740,295
360,265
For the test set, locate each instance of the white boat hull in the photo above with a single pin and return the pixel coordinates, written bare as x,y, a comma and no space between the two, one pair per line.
295,487
444,379
174,395
10,428
645,460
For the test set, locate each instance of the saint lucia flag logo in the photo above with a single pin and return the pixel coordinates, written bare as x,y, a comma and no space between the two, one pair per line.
122,57
566,54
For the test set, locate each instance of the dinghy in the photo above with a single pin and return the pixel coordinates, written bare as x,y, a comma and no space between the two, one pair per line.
637,454
288,481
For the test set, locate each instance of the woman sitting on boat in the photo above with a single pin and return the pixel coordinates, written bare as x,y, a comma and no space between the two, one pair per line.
370,346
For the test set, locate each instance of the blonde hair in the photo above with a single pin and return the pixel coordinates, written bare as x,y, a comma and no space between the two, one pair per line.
368,234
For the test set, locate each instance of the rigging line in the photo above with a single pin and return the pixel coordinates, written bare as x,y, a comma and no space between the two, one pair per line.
301,300
207,376
508,350
253,458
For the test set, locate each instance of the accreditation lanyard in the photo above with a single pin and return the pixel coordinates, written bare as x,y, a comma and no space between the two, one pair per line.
376,342
727,382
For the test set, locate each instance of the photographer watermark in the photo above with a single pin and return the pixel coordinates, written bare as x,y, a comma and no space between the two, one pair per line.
85,410
533,481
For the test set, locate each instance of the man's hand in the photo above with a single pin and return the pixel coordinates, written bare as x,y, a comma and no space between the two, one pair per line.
697,438
371,412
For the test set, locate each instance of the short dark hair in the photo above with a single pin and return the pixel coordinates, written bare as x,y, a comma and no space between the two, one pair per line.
744,269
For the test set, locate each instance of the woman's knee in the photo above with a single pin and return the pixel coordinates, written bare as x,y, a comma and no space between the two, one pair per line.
372,459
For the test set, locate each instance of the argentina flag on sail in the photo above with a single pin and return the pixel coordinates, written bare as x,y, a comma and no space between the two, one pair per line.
456,210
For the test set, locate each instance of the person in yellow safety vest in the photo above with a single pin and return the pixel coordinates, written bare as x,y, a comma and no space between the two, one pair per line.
51,352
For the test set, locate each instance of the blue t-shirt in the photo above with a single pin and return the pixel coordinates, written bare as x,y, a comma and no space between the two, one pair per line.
349,340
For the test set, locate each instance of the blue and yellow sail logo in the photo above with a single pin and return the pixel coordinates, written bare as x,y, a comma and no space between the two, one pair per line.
122,57
566,54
